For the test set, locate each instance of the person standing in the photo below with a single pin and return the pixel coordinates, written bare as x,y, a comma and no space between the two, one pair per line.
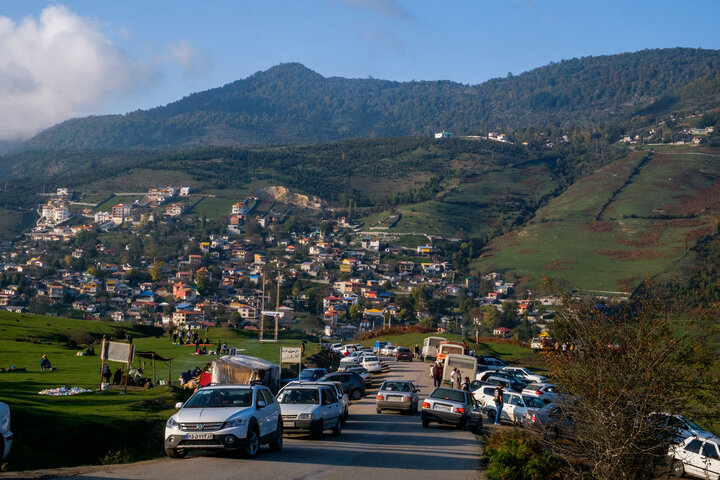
437,375
453,376
498,398
466,384
441,369
417,351
457,381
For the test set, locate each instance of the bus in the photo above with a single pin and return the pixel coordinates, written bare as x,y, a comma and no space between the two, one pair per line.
464,363
446,348
429,349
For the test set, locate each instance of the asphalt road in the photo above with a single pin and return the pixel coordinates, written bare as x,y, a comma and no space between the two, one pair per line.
371,446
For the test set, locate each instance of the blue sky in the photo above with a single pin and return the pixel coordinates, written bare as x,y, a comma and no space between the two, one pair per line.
60,59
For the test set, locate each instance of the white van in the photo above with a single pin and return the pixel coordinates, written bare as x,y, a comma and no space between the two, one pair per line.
464,363
430,346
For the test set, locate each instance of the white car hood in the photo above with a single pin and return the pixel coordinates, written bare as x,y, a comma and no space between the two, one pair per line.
196,415
297,408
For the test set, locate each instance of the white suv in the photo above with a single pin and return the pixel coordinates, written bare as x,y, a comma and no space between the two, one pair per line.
6,436
310,408
225,417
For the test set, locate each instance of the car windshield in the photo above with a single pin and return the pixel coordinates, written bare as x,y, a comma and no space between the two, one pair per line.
396,387
533,402
449,394
301,396
220,398
306,374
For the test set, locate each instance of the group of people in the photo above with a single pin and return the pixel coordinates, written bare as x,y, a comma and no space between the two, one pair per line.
456,380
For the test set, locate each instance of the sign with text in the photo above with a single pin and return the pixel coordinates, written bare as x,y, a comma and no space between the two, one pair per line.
268,313
291,354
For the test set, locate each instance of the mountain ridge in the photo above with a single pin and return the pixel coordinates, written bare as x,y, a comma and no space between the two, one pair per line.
290,104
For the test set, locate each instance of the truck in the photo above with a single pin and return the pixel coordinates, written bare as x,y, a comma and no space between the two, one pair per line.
429,348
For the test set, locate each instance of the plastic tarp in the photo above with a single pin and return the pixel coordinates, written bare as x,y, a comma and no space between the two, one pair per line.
242,369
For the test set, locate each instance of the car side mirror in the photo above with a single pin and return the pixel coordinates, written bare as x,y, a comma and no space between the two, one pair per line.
416,390
261,404
179,405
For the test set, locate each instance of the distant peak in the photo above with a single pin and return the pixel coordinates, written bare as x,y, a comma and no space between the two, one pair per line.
291,68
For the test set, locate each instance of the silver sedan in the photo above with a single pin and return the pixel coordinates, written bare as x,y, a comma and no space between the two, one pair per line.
397,395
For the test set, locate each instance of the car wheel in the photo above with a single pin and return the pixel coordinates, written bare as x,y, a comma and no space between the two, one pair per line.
277,444
464,424
678,469
253,445
320,429
175,453
478,426
356,394
491,415
338,428
425,423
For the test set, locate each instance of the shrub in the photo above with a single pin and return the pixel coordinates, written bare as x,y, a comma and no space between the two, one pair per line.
515,455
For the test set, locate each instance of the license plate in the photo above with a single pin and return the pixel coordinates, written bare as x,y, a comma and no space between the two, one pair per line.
394,398
199,436
444,408
288,424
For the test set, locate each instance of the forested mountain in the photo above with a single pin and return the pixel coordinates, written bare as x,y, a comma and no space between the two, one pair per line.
292,104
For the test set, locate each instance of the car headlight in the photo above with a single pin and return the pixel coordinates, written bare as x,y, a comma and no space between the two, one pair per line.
306,416
171,423
236,422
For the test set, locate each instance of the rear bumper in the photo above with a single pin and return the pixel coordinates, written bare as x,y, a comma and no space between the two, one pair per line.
392,405
442,417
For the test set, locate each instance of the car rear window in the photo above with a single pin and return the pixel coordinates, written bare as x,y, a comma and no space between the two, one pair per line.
448,394
220,398
299,396
396,387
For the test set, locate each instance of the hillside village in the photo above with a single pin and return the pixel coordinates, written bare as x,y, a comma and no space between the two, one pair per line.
335,280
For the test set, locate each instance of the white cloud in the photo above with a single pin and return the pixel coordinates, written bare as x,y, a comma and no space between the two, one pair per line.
56,67
189,58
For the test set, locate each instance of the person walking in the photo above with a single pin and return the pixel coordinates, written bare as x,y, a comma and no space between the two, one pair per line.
498,399
465,384
417,351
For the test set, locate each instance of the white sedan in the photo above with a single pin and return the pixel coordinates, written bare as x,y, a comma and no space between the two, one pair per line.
697,457
371,364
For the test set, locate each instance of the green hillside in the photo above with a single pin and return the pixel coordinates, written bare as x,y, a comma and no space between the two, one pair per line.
289,104
629,221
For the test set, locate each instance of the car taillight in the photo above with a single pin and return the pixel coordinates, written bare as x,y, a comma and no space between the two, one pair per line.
407,399
533,419
426,404
379,397
460,410
539,392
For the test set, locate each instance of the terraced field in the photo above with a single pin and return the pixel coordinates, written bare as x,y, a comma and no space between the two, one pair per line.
631,220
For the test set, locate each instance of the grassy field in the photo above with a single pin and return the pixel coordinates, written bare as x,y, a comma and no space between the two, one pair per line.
631,220
93,428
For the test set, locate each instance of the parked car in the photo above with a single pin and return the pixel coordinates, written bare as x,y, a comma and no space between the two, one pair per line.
547,392
225,417
515,405
360,370
525,374
378,346
491,361
352,383
6,436
335,347
496,378
697,457
388,350
372,364
403,353
550,419
344,398
677,427
397,395
453,407
310,408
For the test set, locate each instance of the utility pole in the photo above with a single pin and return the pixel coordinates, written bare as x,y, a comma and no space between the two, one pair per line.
262,315
277,305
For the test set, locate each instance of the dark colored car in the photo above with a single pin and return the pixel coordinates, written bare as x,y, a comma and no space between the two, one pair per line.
551,420
452,407
353,384
402,353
